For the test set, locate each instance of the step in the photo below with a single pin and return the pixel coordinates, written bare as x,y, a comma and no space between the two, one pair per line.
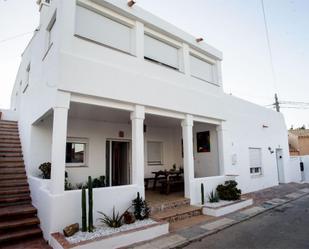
15,200
179,213
9,146
9,133
4,142
19,223
13,183
9,138
8,128
8,122
10,150
190,222
20,210
14,176
12,170
22,234
12,165
11,154
169,205
14,190
11,159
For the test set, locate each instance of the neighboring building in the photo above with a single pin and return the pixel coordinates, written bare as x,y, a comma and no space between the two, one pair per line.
299,142
105,89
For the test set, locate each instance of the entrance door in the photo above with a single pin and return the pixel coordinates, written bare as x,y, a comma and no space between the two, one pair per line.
118,163
279,155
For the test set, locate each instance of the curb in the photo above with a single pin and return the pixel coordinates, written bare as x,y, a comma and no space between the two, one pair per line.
199,237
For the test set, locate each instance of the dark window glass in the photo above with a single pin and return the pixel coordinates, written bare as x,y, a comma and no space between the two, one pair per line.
75,152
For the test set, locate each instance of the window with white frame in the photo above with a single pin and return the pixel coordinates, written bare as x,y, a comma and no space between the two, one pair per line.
51,31
99,28
161,52
154,153
201,69
255,160
76,152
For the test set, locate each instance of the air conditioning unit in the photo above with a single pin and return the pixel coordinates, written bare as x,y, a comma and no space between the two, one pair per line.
43,2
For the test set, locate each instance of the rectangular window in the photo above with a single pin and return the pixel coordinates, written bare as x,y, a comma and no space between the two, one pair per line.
201,69
161,52
255,161
76,152
103,30
51,31
155,153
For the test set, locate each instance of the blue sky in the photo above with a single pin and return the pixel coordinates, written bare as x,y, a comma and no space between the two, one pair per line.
235,27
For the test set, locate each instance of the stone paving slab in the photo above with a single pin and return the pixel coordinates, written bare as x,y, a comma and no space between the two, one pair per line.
267,205
217,224
165,242
237,216
305,190
252,211
192,232
294,195
278,200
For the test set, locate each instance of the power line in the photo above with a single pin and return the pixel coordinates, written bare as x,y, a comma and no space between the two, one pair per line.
269,47
15,37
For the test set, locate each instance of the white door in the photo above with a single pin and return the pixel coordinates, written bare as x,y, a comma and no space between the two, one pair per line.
279,156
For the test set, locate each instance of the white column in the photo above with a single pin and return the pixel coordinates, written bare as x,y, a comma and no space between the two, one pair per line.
188,160
59,149
138,40
222,148
186,59
137,120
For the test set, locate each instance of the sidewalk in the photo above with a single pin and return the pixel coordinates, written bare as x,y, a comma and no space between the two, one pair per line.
264,200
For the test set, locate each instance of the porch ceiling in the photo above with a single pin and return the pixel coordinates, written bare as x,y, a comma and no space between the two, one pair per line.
98,113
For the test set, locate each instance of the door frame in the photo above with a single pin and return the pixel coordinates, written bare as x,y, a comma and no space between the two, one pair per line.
110,160
280,165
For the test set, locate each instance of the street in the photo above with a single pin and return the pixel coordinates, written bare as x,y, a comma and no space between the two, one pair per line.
284,227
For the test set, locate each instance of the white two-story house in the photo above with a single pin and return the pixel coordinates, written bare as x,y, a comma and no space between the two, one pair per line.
105,89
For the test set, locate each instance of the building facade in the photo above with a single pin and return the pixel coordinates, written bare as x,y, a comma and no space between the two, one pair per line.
105,89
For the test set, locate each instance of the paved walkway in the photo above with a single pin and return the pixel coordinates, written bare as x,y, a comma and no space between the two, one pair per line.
264,200
283,227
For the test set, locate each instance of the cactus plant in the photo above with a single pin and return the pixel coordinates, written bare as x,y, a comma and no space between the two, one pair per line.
84,211
90,205
202,194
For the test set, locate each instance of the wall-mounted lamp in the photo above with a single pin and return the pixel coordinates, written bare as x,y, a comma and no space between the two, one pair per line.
131,3
265,126
270,150
200,39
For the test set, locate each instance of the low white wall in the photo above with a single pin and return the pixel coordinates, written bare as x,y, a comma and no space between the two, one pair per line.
210,184
305,160
294,173
57,211
42,200
295,165
9,115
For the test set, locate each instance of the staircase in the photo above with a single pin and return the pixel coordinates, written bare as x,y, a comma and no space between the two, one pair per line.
18,218
175,211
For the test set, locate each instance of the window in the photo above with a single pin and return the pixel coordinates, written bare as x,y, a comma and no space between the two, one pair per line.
201,69
255,157
51,31
76,152
203,141
103,30
155,153
28,69
161,52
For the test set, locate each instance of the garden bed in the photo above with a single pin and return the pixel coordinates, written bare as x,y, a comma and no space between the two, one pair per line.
106,237
225,207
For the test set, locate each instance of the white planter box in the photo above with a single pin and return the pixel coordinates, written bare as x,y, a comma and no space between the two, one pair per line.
117,240
222,207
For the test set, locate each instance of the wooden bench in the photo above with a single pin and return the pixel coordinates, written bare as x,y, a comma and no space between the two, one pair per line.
171,185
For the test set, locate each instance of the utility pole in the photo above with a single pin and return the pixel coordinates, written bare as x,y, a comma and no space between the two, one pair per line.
277,103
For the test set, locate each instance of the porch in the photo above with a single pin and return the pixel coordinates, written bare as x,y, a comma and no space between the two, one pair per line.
125,144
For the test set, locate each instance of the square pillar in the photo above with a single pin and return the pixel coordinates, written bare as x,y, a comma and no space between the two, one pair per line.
59,138
188,160
137,120
223,149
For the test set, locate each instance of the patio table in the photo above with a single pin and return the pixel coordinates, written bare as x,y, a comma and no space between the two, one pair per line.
167,174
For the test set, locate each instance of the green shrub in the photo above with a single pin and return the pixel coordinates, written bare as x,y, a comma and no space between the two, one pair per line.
141,208
213,197
112,221
228,191
46,169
